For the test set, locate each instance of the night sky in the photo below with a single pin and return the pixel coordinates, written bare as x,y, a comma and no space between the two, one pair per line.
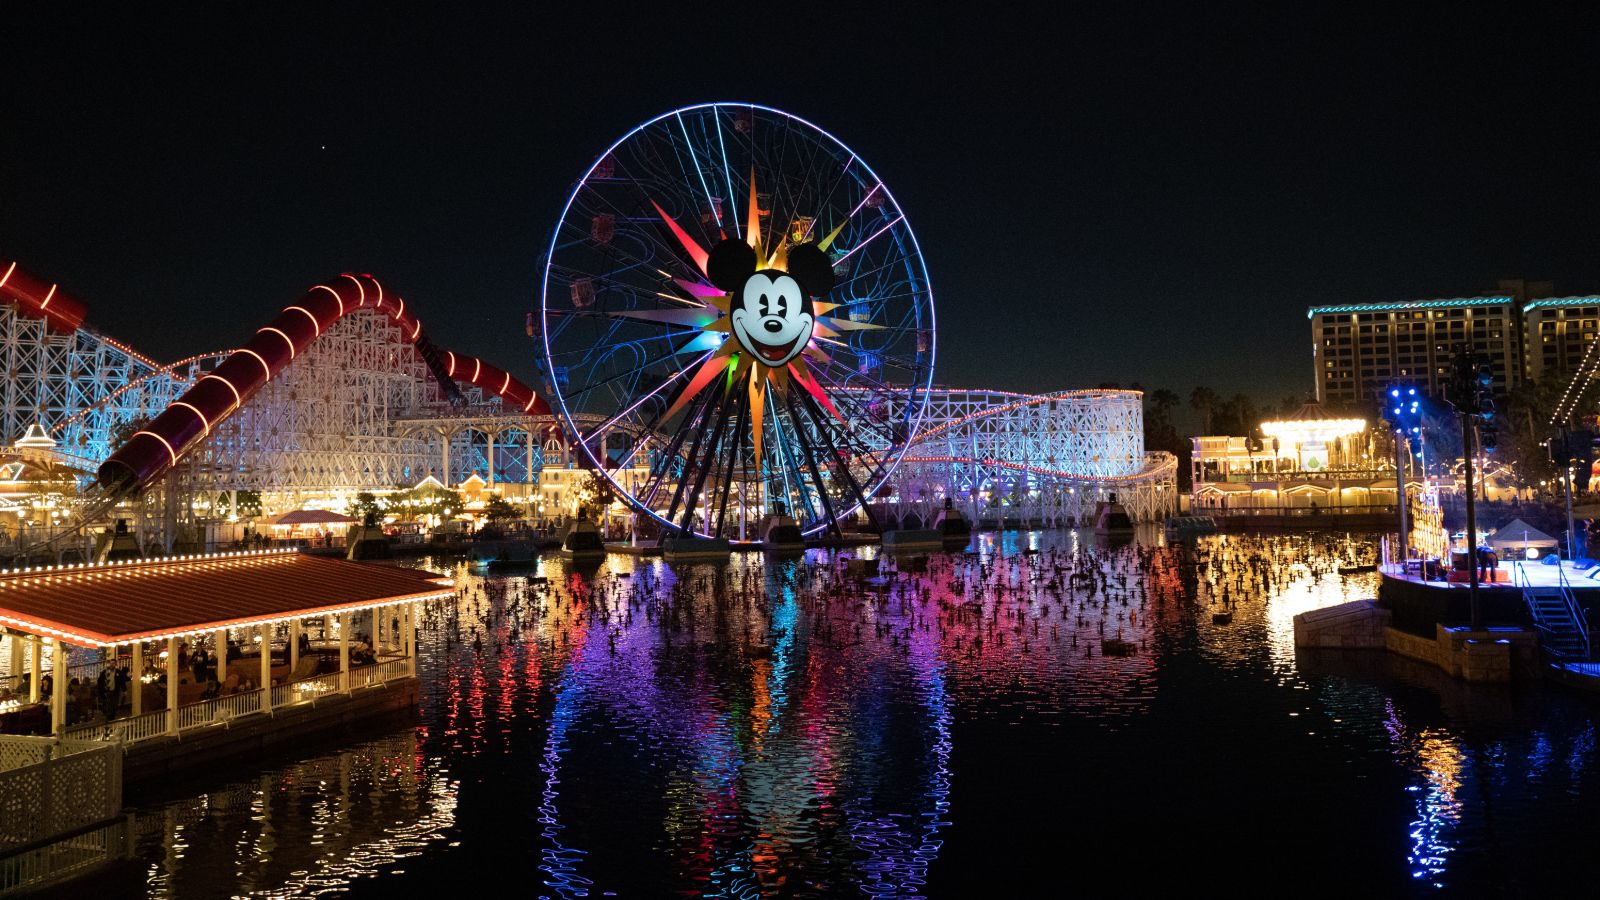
1145,199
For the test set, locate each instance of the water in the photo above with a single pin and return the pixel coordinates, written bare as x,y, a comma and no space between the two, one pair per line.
819,743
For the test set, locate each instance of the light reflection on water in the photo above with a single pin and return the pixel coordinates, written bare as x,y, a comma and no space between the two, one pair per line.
765,729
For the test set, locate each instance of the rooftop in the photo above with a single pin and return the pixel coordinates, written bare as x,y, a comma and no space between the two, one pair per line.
1409,304
141,600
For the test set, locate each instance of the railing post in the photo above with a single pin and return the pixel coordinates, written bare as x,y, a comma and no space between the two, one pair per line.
294,649
136,683
266,668
58,687
344,653
172,685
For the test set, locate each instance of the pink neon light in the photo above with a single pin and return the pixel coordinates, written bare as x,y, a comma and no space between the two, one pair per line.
285,337
264,367
362,292
196,410
870,239
316,327
170,452
237,400
335,294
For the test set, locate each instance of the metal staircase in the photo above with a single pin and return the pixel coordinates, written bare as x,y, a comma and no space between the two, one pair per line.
1562,631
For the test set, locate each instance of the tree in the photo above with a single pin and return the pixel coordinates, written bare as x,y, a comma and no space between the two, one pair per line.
596,491
1204,401
498,510
366,507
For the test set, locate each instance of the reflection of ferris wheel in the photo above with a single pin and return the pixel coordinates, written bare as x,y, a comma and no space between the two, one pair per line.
736,315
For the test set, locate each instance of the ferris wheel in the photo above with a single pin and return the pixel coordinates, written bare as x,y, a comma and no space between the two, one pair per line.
737,321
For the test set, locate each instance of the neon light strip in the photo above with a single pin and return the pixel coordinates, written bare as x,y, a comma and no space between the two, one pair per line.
863,199
380,290
335,294
47,298
1549,303
315,327
7,277
170,452
286,340
531,400
416,331
264,367
196,410
237,400
694,159
870,239
477,365
360,291
1409,304
402,310
506,384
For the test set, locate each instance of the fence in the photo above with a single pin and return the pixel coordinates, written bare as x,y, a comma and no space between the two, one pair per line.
33,867
130,730
77,784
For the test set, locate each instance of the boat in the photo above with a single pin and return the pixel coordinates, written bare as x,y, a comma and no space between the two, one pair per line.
582,542
1358,568
780,533
694,548
1118,647
1186,526
910,540
952,526
1111,518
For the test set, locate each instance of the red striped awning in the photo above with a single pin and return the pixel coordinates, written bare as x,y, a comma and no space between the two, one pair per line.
115,603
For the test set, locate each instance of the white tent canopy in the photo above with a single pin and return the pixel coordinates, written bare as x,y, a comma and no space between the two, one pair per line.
1519,535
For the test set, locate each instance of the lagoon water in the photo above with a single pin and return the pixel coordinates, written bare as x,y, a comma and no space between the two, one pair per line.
774,727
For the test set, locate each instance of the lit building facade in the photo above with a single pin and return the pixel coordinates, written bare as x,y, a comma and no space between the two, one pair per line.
1307,463
1359,350
1557,333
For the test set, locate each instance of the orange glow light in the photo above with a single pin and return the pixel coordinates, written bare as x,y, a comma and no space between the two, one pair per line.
315,327
323,287
237,400
286,340
7,277
170,452
264,367
196,410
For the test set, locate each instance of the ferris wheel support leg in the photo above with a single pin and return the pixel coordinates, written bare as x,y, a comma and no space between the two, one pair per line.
694,452
743,402
844,468
704,468
816,476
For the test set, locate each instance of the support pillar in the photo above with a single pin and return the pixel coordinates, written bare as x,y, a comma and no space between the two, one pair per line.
444,470
35,667
58,687
136,685
294,648
15,640
530,456
489,436
221,641
172,685
344,653
266,668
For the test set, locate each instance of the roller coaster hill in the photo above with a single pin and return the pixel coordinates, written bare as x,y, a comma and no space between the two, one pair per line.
343,392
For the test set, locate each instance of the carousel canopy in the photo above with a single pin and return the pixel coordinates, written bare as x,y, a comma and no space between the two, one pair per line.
311,517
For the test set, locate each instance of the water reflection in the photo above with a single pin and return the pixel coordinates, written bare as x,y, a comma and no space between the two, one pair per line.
773,727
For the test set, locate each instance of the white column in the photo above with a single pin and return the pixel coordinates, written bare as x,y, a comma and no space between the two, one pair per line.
294,648
172,685
35,667
58,687
221,640
266,667
136,685
489,444
444,472
344,652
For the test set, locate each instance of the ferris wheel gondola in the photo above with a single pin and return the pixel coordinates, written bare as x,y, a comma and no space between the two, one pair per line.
735,317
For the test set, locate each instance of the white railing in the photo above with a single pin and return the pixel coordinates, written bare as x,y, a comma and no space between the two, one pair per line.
37,867
379,673
130,730
221,709
305,690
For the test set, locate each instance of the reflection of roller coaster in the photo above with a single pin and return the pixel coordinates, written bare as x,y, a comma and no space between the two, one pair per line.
1034,458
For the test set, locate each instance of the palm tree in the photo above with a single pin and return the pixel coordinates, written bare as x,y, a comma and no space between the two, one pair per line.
1203,400
1163,401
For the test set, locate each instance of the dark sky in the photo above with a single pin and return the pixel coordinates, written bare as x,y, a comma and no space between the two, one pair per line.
1140,199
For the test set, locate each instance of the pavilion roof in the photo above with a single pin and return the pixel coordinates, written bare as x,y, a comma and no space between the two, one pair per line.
123,602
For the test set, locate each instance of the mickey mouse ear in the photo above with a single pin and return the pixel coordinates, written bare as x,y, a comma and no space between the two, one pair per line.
811,267
730,263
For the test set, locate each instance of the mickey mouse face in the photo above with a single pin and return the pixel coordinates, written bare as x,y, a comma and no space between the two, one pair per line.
771,314
772,318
